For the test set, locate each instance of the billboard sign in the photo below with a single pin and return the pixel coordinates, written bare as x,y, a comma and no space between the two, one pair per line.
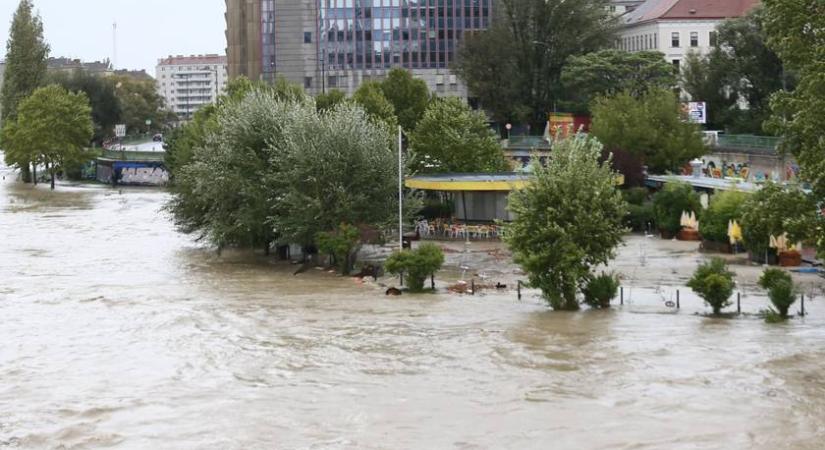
120,130
698,112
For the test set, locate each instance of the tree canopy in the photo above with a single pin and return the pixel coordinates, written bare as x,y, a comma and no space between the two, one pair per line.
514,68
607,72
568,220
25,71
139,102
796,31
370,96
268,167
409,97
740,69
26,53
52,128
651,127
106,110
453,138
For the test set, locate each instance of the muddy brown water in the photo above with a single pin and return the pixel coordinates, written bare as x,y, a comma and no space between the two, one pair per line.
117,332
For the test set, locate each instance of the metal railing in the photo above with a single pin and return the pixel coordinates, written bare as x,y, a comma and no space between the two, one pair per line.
747,142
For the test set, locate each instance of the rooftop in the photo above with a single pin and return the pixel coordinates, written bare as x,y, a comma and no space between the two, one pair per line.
192,59
689,10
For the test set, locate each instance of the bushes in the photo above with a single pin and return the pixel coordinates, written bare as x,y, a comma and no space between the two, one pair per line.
671,202
714,283
781,290
639,209
417,264
600,290
724,207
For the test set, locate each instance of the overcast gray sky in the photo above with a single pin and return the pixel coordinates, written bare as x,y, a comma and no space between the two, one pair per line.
146,29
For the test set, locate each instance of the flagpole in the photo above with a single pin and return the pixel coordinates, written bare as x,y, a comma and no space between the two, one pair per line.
400,192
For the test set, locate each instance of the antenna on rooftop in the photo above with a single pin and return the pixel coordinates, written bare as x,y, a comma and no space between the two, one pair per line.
114,45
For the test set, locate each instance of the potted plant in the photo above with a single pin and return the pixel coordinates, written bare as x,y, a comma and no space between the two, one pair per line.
725,208
670,203
690,228
773,211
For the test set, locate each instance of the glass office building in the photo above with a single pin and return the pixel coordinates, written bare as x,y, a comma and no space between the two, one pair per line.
323,44
381,34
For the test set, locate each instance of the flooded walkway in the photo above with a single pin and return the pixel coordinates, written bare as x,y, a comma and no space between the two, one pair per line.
117,332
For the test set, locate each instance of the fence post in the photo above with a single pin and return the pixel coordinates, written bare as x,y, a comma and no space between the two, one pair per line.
678,299
803,305
473,287
738,303
518,289
621,295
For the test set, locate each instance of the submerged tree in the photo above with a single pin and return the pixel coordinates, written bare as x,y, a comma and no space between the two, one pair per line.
714,283
334,167
26,53
569,220
52,128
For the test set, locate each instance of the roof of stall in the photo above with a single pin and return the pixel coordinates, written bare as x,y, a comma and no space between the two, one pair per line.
478,182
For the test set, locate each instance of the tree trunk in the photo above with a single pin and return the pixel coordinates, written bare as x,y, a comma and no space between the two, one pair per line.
34,174
26,173
266,248
52,174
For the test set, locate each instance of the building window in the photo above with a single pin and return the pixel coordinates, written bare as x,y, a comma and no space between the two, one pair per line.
307,82
674,39
307,37
676,64
714,38
694,38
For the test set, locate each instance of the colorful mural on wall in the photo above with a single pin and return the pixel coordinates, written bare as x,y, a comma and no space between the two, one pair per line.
744,171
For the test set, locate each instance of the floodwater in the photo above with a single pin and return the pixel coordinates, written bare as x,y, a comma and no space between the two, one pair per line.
117,332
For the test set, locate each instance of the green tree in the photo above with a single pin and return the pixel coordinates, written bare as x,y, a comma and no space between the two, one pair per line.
181,142
453,138
334,167
565,227
106,111
25,71
222,193
330,99
608,72
795,32
52,128
514,68
710,81
774,210
651,127
724,207
370,96
740,68
714,283
409,97
340,243
416,264
781,289
673,200
139,102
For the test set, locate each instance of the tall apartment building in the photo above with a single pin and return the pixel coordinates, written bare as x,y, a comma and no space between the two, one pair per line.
338,44
678,27
189,82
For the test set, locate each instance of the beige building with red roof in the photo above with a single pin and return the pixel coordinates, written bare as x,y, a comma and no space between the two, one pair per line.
678,27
